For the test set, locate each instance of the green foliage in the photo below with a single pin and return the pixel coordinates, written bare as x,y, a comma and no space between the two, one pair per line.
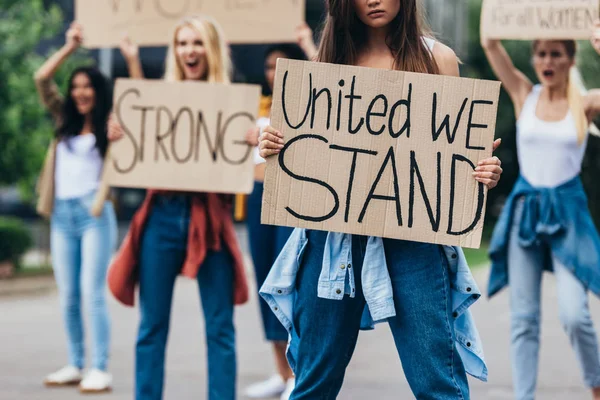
25,127
15,239
477,66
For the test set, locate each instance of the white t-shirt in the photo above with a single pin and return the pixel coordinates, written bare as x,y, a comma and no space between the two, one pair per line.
78,167
549,152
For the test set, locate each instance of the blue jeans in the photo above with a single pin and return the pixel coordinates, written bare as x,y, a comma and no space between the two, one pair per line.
163,251
81,247
525,268
266,242
324,332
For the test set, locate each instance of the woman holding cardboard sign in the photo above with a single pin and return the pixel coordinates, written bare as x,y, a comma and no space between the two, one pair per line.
187,233
266,241
325,286
545,224
83,224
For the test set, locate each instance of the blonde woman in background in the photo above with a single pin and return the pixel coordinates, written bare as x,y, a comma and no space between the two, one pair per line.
546,224
184,233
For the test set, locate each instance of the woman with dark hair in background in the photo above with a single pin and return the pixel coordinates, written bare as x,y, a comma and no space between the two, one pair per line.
83,223
266,241
546,224
422,290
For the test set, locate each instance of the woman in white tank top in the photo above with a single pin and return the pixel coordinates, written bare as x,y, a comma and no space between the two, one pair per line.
545,224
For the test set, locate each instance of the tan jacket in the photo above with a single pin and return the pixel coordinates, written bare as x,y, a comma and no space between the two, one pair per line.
53,101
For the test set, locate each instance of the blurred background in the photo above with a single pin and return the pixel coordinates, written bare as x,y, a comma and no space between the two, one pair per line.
30,30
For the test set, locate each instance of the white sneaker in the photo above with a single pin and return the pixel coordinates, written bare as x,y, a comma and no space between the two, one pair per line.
289,388
65,376
270,388
96,381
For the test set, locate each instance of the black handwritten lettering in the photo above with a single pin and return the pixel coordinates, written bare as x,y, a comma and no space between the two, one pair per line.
370,113
406,126
285,113
480,197
285,169
174,131
128,133
315,97
222,131
355,152
144,110
435,131
472,125
414,171
390,157
353,97
159,145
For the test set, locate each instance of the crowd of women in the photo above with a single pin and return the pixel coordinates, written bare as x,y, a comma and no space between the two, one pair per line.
545,225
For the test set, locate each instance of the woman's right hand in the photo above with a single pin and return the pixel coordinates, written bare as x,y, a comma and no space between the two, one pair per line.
270,142
74,36
115,131
129,49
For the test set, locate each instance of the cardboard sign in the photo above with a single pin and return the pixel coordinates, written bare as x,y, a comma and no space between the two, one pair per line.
185,136
380,153
151,22
538,19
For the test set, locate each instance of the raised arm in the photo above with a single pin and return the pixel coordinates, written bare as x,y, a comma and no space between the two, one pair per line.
304,36
131,54
49,94
516,84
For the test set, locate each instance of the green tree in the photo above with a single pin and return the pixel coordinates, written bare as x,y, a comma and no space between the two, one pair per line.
25,127
477,66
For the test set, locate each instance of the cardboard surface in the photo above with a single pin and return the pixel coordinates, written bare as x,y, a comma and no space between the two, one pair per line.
539,19
336,171
150,22
185,136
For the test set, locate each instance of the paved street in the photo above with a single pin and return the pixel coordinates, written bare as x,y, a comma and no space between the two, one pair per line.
32,344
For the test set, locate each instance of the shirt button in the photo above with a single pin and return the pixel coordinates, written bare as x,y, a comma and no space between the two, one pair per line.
338,291
276,308
454,256
349,266
468,289
468,344
343,266
455,314
279,291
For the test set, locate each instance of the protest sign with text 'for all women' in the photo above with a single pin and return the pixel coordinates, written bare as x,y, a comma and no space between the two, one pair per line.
186,136
538,19
380,153
150,22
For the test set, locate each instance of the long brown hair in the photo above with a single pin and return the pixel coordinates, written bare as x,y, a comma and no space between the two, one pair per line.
574,92
344,33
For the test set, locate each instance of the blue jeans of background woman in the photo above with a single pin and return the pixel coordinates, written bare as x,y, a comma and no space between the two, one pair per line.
81,247
325,332
266,242
525,266
163,251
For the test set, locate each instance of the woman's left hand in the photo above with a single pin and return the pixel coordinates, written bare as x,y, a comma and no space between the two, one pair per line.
488,171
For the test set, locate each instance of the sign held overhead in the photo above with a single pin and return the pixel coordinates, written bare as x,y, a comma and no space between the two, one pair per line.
186,136
151,22
538,19
380,153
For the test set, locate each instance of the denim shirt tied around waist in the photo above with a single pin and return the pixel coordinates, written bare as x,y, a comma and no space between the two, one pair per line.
335,282
558,217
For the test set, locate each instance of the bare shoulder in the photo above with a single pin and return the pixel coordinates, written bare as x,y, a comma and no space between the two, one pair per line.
446,59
